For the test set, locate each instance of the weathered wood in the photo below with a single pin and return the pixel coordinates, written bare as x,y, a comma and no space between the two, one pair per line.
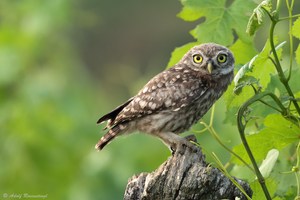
185,175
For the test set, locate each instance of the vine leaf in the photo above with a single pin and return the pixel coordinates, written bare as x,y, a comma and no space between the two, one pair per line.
256,18
243,51
296,28
259,68
262,66
233,100
241,74
220,20
258,71
296,33
298,55
277,134
258,192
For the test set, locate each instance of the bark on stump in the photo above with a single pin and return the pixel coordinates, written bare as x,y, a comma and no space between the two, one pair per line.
185,175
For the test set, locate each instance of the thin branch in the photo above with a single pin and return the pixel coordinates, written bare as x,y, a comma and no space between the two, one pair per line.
241,128
291,17
215,135
262,101
278,67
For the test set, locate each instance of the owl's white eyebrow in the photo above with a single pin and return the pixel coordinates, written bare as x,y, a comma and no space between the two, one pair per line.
223,52
197,53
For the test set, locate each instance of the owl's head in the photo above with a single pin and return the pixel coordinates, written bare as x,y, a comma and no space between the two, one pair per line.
210,58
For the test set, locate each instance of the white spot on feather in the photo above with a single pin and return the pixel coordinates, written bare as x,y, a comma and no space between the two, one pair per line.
160,84
137,99
168,102
176,109
142,104
183,105
178,68
153,106
121,127
145,89
166,77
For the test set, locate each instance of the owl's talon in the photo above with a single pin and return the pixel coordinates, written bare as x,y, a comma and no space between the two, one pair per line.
183,146
192,147
180,149
191,138
173,150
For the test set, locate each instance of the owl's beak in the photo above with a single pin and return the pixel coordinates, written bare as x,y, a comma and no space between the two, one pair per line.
209,67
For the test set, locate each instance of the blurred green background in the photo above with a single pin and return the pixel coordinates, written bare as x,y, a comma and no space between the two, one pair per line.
65,63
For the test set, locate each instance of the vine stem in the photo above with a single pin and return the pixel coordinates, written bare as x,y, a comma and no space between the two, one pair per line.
282,78
215,135
291,17
241,128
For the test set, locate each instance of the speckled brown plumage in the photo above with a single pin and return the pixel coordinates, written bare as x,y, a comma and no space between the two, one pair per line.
172,101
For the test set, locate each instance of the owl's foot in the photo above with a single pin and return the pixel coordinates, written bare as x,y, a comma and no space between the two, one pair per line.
191,138
185,145
178,144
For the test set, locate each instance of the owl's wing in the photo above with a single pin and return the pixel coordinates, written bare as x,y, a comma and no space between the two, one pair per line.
113,114
170,90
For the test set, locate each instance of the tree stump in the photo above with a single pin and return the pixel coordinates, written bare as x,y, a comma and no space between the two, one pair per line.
185,175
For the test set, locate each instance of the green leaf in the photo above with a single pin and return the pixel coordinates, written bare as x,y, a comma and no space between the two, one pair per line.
243,70
246,81
258,71
269,162
277,134
258,193
243,51
191,12
262,70
296,33
256,18
234,100
297,52
220,20
279,90
296,28
262,67
179,52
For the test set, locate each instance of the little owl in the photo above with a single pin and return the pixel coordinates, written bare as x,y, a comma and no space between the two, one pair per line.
175,99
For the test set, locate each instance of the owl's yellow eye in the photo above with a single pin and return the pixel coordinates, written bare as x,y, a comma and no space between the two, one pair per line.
197,58
222,58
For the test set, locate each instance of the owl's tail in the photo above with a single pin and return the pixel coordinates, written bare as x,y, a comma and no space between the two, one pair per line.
110,135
